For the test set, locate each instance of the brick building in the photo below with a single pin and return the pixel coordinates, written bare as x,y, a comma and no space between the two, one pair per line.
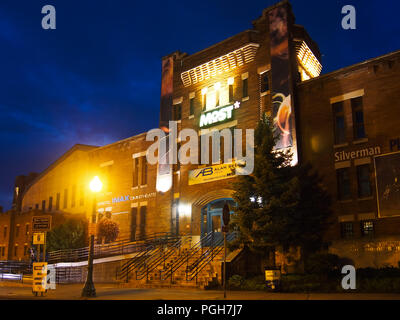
344,123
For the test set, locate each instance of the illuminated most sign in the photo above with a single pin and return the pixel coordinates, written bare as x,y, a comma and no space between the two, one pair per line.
218,115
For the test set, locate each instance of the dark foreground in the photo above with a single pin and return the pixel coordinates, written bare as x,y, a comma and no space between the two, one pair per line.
113,292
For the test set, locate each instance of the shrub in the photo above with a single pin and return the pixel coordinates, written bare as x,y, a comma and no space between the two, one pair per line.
69,235
235,282
322,264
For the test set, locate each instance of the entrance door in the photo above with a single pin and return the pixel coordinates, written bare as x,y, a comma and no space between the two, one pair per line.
215,225
212,221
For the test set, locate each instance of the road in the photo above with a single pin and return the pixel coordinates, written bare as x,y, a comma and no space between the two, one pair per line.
112,292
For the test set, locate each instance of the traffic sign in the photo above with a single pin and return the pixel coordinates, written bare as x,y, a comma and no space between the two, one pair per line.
41,223
38,238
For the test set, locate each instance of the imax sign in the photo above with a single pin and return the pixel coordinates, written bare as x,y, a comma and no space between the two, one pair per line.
219,115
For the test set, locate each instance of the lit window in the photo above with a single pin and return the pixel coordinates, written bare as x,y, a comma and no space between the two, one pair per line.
367,228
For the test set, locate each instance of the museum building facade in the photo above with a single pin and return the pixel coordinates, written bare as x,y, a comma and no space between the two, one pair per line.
345,123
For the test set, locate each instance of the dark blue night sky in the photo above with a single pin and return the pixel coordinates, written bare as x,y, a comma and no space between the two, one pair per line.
96,78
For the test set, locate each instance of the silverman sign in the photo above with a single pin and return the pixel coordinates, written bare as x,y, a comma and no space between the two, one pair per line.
361,153
218,115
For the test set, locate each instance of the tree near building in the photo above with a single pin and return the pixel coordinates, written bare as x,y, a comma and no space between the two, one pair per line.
279,205
72,234
107,230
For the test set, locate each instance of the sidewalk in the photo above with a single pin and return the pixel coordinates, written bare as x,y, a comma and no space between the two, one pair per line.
113,292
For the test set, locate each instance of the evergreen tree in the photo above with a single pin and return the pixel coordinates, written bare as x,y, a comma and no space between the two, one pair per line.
69,235
278,205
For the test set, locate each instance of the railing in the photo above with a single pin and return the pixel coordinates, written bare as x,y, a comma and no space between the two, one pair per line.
15,267
160,258
109,249
146,259
208,255
196,248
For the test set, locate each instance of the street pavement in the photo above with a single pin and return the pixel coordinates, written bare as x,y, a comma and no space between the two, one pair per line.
16,291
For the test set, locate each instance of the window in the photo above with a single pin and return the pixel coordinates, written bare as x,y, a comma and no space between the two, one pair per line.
178,112
343,184
245,86
3,251
133,223
50,203
37,206
339,122
15,250
65,198
364,181
217,88
17,231
44,205
230,89
204,98
73,196
358,118
82,196
144,171
58,201
27,229
264,82
135,172
25,250
367,228
346,229
142,230
191,106
5,232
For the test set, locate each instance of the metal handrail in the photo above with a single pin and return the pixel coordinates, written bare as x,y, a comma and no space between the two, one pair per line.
205,258
109,249
157,261
185,258
141,259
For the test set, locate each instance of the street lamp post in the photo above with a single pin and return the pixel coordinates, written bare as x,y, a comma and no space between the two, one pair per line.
89,289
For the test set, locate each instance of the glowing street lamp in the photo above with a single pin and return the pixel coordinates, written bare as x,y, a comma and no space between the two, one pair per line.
89,289
95,185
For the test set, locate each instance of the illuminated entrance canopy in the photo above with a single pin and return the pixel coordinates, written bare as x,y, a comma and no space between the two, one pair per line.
218,115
